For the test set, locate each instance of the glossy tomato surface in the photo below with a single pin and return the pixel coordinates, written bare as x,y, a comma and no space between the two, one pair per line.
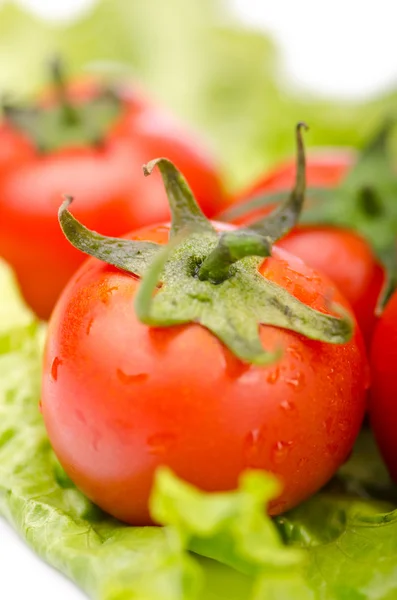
343,255
111,192
383,396
120,398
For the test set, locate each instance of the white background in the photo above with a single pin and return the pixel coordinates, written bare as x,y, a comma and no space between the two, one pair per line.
344,48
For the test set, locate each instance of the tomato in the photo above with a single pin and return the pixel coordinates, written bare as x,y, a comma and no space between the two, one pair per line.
107,179
383,407
343,255
120,398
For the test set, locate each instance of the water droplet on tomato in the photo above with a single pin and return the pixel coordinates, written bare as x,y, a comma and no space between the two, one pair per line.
295,352
280,451
273,375
296,382
251,449
302,462
160,443
344,425
54,367
133,378
287,405
89,325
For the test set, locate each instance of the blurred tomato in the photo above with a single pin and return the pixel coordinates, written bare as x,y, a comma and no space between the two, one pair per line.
42,161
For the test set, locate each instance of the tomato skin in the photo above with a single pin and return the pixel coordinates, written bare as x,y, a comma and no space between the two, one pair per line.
383,405
120,398
111,192
343,255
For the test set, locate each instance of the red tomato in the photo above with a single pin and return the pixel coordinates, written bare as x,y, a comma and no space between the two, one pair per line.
113,195
383,406
343,255
120,398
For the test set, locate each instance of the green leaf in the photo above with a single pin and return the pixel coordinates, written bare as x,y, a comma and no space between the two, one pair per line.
230,526
129,255
185,212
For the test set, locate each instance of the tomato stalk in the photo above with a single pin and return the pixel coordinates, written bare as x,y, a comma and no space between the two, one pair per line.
62,124
212,278
365,202
69,112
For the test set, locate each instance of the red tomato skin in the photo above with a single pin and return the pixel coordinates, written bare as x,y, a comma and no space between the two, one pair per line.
383,395
343,255
120,398
112,195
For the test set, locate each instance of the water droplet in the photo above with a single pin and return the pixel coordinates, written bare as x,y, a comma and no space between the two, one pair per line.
251,449
273,375
344,425
54,367
160,443
280,451
296,382
302,462
133,378
287,405
295,352
89,325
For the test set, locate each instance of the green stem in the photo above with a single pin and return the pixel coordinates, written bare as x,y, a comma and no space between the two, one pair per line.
262,199
285,217
185,212
70,114
232,246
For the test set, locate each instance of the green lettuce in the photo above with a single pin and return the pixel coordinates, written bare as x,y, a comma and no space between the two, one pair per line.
339,545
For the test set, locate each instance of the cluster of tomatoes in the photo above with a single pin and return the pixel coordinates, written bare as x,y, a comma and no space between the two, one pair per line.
120,397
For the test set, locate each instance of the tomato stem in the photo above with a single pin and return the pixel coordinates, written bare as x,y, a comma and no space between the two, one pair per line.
232,246
281,220
70,114
258,239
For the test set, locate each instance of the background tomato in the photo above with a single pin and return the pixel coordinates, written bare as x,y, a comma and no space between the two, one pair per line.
383,405
120,398
343,255
113,196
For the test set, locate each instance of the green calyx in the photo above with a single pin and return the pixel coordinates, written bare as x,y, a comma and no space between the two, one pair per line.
213,278
366,201
65,123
